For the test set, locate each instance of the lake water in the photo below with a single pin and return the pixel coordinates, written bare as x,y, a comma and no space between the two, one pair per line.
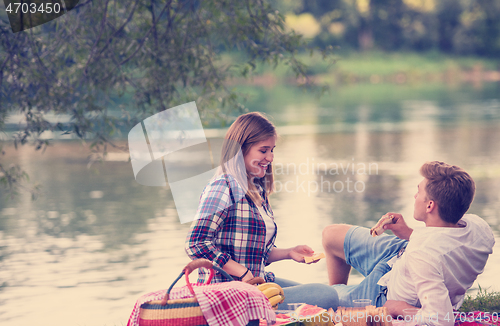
96,240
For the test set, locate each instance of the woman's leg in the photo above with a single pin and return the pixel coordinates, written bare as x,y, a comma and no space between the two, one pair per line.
367,289
284,283
315,294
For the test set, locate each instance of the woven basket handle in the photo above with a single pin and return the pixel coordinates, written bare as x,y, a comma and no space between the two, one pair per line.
195,264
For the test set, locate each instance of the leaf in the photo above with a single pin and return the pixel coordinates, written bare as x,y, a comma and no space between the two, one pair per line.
92,66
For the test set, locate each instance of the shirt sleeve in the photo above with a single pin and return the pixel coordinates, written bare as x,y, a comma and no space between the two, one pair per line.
210,216
267,253
432,293
269,248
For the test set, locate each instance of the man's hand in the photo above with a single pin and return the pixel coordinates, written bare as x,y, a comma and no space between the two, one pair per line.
396,308
399,227
297,253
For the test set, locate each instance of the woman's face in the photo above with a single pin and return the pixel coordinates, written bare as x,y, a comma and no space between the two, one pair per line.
259,156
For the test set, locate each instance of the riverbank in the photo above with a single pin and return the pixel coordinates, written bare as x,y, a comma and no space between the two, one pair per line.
483,301
379,68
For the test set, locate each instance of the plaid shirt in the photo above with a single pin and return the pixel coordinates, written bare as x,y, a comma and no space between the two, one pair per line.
228,225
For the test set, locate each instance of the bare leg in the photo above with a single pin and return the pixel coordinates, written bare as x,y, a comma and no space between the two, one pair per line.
333,243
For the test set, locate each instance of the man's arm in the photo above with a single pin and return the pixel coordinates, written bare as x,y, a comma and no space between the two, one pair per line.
396,307
434,297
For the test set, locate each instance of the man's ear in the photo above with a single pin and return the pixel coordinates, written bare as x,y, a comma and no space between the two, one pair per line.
431,206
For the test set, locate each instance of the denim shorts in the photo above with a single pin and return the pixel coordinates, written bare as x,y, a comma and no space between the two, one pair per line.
369,256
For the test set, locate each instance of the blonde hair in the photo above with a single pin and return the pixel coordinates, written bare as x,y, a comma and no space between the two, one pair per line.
248,130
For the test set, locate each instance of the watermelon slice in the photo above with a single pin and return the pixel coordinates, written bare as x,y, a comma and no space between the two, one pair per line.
282,320
310,315
286,321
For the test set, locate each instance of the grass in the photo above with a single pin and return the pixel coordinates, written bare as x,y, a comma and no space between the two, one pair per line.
377,66
483,301
381,63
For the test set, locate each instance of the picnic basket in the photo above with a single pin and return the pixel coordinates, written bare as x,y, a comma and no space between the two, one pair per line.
180,312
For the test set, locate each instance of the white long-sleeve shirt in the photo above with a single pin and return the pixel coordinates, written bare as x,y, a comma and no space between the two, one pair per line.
438,266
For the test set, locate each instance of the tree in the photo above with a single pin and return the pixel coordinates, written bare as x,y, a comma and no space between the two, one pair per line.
151,54
386,16
449,20
450,26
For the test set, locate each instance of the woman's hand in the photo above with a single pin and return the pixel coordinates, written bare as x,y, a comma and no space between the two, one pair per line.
299,252
296,253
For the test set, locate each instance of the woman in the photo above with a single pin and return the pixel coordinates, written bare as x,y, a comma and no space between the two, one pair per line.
234,226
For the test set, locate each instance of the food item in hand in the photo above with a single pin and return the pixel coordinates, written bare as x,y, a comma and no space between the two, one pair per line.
314,257
378,229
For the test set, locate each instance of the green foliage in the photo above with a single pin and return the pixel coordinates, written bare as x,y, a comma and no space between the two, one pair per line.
483,301
361,66
162,52
450,26
13,179
382,63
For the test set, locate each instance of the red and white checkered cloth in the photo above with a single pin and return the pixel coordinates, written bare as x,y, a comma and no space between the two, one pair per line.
223,304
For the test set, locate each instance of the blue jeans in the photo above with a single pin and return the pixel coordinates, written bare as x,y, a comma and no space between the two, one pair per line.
316,294
368,255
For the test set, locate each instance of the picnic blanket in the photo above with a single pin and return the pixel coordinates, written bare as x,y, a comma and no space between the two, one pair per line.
223,304
477,318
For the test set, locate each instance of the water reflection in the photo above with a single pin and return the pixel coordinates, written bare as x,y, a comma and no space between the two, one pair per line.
96,240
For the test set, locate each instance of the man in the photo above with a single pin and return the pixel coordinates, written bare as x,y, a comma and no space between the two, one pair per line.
431,267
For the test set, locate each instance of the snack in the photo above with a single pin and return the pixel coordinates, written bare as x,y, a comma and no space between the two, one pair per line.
314,257
309,315
378,229
273,292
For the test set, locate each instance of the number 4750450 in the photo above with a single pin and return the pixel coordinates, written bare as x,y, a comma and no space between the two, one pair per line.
32,8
